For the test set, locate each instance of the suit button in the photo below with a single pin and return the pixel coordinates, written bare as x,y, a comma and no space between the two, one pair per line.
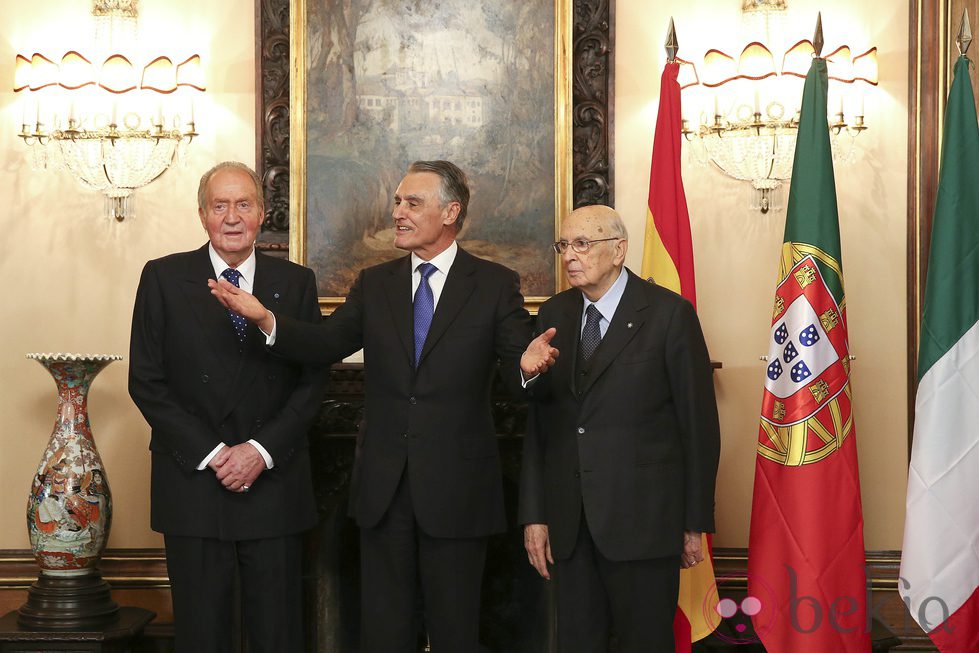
404,435
412,401
270,377
577,474
581,430
205,378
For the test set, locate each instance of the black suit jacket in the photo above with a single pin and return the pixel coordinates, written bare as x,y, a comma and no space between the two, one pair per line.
435,420
196,389
635,440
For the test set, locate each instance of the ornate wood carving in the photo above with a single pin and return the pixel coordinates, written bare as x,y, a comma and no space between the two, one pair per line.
272,143
592,94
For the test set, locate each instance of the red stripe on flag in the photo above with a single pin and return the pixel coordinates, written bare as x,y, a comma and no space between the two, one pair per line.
960,632
667,201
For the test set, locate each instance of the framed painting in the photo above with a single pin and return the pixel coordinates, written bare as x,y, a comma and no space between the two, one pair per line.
377,84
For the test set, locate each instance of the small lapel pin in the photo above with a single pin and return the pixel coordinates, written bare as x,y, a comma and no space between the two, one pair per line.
276,295
629,325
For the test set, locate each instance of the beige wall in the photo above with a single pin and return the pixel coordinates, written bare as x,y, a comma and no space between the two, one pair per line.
71,274
736,249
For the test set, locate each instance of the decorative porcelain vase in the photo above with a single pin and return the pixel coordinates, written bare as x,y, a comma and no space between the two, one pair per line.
69,511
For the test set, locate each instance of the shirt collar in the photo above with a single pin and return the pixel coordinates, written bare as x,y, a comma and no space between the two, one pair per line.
246,268
608,302
442,261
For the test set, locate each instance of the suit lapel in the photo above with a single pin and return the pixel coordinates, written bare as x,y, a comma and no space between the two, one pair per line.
397,287
214,321
456,292
568,323
625,324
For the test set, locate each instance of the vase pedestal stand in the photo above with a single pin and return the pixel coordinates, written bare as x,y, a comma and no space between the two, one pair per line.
68,603
120,636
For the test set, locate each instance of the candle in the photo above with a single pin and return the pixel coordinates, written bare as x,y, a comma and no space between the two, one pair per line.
757,102
860,107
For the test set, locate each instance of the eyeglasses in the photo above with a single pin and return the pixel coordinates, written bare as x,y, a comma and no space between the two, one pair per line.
579,245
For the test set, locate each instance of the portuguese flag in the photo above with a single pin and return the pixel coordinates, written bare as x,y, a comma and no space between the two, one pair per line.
668,260
805,550
940,558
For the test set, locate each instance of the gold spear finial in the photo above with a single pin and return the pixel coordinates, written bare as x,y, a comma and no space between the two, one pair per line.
817,38
671,44
965,33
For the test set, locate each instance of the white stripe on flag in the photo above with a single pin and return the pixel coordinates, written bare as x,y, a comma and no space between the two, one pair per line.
940,558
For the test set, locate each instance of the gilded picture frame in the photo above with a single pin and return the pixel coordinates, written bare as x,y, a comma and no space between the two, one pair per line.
349,147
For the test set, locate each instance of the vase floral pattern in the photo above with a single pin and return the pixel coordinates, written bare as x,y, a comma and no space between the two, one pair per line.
69,511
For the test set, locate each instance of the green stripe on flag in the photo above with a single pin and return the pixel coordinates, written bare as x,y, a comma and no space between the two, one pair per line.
811,216
952,287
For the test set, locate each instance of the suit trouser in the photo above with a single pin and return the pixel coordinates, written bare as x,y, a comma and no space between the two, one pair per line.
634,599
202,572
394,556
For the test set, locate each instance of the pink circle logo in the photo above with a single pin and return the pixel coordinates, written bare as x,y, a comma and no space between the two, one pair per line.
759,608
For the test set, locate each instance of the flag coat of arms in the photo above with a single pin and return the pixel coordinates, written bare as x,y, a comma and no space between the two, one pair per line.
940,556
805,550
668,260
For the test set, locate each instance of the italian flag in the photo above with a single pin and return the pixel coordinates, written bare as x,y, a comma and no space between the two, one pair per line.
940,558
668,260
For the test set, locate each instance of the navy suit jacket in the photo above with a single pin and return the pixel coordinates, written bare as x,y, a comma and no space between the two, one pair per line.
196,389
631,439
436,420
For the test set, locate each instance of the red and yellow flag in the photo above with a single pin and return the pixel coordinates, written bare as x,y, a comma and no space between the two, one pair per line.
668,260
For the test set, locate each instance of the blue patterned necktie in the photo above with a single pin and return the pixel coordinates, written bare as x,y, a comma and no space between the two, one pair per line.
237,321
591,335
424,308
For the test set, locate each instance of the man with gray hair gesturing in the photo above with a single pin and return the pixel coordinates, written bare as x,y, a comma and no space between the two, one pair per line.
622,444
426,488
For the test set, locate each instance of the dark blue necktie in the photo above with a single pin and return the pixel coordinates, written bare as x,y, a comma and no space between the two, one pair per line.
237,321
424,307
591,335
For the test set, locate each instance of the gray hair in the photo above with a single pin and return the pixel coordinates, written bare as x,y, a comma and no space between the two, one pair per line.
454,186
616,227
228,165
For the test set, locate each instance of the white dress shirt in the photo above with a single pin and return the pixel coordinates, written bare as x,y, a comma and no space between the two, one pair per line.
606,304
246,283
442,262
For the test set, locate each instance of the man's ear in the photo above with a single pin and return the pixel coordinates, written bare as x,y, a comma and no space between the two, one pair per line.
621,247
451,213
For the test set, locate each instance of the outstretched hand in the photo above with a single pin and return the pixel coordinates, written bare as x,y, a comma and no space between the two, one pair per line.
242,302
539,355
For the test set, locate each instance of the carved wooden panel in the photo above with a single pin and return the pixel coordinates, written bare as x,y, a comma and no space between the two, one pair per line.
592,93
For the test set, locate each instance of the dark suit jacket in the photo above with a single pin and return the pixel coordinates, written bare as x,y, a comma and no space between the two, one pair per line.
196,389
435,420
635,441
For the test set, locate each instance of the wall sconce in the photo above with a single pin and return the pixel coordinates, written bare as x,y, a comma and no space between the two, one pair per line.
750,130
114,128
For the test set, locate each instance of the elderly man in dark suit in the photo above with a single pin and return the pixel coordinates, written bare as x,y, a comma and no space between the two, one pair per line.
231,487
427,488
622,446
